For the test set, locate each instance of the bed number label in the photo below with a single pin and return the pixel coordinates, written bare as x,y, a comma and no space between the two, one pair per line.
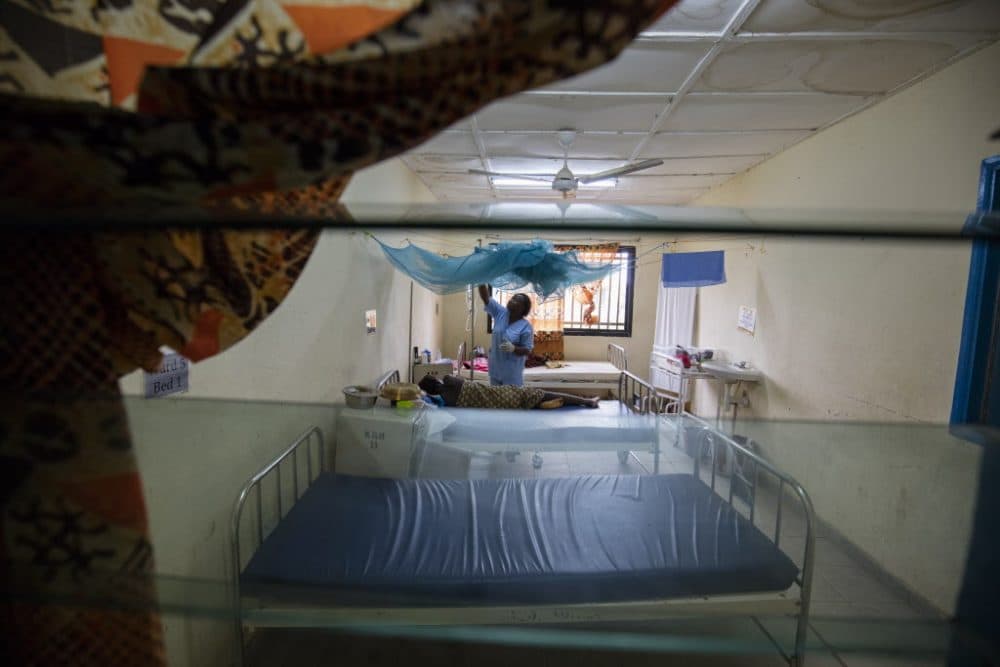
373,438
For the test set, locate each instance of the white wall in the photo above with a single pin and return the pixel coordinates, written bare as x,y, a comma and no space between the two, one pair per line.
197,449
868,330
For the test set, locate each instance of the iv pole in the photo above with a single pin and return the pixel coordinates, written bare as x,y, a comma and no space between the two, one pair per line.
472,333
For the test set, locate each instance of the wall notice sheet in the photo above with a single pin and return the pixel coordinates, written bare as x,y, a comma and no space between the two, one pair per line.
747,319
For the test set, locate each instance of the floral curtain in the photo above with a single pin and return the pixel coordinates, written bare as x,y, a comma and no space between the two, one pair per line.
200,108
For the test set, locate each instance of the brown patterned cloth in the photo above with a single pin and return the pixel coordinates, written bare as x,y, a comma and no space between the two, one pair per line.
499,397
279,103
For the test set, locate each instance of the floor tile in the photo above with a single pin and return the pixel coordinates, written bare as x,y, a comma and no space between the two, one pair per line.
857,585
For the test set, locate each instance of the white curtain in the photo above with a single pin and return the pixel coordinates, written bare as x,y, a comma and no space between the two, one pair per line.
674,326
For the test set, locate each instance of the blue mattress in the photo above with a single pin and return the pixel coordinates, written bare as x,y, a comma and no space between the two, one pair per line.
598,538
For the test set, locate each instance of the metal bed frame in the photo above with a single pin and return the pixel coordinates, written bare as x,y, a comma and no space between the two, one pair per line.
259,612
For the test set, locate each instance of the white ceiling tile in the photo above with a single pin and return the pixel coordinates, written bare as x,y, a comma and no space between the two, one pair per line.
454,180
449,143
852,68
656,183
875,15
616,146
720,143
580,112
644,67
427,162
704,165
697,16
743,112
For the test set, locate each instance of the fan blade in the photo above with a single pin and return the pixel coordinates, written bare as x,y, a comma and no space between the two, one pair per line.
620,171
527,177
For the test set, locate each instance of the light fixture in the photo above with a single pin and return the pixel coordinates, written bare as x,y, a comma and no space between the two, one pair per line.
511,182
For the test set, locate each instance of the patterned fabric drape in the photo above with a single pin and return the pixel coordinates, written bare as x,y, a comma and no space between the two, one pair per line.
264,106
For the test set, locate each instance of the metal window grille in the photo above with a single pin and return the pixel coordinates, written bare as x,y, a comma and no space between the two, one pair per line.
612,299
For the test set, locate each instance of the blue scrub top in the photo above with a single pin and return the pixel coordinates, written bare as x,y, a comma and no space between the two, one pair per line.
507,367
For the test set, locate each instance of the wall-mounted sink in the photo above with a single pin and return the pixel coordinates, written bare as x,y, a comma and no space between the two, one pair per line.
729,372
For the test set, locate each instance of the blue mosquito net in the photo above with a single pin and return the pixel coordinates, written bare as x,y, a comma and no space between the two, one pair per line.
505,265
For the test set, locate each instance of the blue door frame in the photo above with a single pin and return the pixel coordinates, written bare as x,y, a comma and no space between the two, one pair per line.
975,415
973,404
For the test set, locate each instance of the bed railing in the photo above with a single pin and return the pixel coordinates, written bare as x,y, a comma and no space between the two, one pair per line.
386,378
745,469
290,457
617,357
638,395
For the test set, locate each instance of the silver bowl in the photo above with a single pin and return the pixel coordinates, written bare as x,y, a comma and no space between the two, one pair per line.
358,396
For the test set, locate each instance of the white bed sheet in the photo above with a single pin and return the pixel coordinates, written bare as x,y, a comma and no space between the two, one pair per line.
572,372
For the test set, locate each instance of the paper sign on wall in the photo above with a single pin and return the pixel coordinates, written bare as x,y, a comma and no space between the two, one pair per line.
172,378
370,325
747,320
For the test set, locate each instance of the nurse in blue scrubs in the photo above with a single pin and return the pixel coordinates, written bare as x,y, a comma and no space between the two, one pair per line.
513,337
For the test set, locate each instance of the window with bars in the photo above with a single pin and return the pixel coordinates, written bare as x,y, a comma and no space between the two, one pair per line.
602,308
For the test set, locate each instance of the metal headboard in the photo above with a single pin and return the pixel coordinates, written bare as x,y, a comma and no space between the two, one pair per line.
617,356
313,438
388,377
746,468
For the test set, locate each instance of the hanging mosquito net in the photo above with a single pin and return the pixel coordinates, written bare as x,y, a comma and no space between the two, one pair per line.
505,265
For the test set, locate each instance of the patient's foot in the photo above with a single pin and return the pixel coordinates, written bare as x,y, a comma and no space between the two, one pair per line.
551,404
592,403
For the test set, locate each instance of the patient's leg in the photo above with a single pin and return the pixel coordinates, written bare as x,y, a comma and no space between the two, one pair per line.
568,399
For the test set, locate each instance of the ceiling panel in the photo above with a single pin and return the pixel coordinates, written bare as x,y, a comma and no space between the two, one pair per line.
580,112
430,163
454,180
644,67
449,143
720,143
875,15
616,146
853,68
704,165
697,16
657,183
741,112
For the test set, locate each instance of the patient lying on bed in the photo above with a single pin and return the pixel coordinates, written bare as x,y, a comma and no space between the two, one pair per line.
456,392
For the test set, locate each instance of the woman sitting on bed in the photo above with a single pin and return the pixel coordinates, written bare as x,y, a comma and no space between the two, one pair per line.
456,392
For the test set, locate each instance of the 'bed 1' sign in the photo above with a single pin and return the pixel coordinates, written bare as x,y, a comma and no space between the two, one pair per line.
172,377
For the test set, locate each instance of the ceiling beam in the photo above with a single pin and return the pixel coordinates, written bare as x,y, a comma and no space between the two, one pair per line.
481,147
735,23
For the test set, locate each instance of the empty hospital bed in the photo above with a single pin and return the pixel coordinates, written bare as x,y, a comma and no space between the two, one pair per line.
336,551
